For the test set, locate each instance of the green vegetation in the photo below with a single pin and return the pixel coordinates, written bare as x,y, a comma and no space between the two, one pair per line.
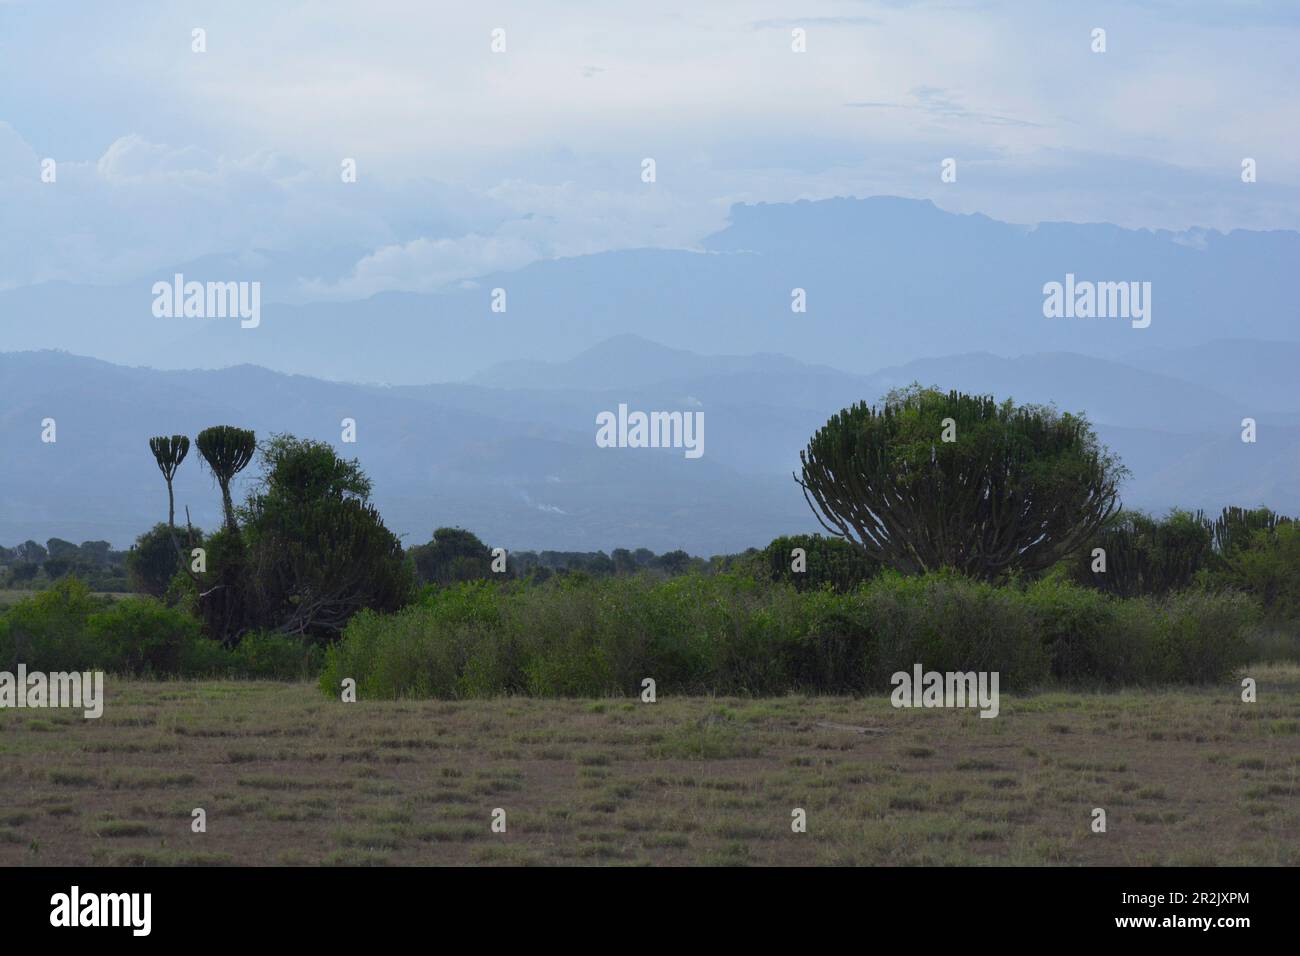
934,480
29,566
67,628
728,634
967,535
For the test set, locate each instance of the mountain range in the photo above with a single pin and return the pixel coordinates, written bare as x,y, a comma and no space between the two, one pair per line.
468,416
510,453
886,281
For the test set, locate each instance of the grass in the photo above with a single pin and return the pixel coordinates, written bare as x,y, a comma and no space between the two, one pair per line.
286,776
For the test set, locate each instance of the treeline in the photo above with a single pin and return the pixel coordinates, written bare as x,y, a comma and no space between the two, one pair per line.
30,565
454,555
1251,550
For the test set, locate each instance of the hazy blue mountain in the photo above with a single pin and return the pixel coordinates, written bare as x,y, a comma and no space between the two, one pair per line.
519,465
517,483
1262,374
629,360
888,281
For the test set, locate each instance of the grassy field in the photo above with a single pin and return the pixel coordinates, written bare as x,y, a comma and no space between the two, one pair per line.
288,776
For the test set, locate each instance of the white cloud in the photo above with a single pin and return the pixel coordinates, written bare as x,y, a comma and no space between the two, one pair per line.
471,161
424,265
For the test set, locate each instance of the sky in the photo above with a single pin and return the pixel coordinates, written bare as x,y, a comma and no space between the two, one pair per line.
470,161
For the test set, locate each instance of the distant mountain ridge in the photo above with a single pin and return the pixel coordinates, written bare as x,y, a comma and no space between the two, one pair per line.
511,453
887,281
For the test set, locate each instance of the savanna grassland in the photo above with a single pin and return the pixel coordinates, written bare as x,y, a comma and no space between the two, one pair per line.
287,775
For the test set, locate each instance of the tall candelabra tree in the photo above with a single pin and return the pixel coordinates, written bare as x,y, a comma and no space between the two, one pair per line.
169,452
227,451
933,480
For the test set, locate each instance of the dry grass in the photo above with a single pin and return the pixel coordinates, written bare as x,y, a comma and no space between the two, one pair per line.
287,776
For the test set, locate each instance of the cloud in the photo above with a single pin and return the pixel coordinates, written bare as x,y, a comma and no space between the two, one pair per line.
425,265
471,160
788,23
945,104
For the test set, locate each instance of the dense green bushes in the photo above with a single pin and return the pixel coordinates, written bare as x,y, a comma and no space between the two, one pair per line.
731,634
1267,566
1252,550
825,561
1135,554
67,628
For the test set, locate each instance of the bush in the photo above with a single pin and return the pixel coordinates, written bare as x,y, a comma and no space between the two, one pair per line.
68,629
47,631
730,634
271,656
831,562
1203,636
153,561
1091,637
1267,566
142,637
949,623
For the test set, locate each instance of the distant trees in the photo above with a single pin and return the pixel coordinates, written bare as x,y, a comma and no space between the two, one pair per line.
1254,550
155,559
58,548
32,565
453,555
538,566
29,552
824,562
934,480
1235,528
1135,554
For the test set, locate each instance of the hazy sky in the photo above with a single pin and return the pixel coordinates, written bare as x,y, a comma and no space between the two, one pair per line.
471,161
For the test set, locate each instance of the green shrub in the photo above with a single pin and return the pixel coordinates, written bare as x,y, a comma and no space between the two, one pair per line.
1091,637
730,634
949,623
830,562
47,631
66,628
271,656
1204,637
142,637
1266,565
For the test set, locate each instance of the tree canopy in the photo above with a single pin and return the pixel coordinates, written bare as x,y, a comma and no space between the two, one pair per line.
933,480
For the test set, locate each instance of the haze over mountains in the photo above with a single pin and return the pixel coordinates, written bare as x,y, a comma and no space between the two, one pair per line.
887,281
897,291
519,464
